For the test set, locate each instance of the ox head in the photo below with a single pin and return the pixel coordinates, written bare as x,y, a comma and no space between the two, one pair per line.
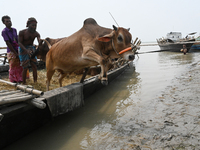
44,47
120,39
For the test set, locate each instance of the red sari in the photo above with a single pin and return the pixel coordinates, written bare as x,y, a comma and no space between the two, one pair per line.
15,70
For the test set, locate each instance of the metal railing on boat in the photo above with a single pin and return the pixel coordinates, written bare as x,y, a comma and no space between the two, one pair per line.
4,56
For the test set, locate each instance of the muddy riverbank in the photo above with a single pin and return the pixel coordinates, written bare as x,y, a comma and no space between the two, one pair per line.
173,120
170,121
177,121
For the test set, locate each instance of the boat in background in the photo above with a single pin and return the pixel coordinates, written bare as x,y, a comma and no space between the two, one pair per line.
174,42
196,46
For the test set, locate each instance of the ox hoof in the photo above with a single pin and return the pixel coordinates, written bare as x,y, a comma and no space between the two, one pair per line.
96,80
104,82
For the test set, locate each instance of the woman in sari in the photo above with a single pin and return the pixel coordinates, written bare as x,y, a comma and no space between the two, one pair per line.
10,37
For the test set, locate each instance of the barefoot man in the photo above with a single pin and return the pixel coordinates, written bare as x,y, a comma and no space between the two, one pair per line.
27,49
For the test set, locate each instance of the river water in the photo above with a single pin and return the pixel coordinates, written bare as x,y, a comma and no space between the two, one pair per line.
112,117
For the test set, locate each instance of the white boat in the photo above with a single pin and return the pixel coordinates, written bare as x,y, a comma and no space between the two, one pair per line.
174,42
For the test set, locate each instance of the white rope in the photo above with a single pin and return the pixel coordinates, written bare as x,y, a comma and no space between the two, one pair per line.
181,42
114,48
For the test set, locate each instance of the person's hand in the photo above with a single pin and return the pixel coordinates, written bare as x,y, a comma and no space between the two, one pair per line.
16,55
30,53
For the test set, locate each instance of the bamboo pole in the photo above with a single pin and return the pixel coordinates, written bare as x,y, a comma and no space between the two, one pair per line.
135,40
9,92
18,96
2,91
5,100
14,95
24,88
30,90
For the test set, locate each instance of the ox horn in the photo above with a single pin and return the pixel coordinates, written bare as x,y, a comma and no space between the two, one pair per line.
115,28
48,44
128,29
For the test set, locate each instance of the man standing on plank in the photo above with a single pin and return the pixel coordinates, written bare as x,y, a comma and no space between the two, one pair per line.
27,50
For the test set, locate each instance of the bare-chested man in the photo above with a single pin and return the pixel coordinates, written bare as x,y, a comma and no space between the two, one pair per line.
27,49
184,50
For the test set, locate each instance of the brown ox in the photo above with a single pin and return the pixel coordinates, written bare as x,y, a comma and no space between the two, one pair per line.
90,46
44,46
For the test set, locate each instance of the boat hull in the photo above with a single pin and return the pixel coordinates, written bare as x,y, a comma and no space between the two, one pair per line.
175,47
195,46
19,119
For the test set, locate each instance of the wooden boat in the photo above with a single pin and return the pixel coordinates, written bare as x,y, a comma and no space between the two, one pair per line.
196,46
174,42
20,118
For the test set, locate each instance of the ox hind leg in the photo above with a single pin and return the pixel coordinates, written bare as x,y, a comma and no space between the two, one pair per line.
61,76
49,76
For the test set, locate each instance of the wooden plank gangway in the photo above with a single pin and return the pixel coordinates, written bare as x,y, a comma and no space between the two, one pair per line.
13,96
23,93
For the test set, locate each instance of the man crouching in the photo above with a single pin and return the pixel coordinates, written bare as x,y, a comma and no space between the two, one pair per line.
27,49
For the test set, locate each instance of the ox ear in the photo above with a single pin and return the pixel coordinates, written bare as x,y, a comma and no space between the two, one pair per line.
115,28
104,39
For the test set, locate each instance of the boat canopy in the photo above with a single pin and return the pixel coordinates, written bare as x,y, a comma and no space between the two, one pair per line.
174,36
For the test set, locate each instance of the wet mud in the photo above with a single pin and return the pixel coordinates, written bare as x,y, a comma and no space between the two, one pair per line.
170,121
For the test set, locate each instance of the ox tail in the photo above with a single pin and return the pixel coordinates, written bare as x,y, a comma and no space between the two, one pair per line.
48,44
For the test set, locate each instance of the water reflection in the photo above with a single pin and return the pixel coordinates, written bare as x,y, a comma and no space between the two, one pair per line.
107,134
175,58
138,118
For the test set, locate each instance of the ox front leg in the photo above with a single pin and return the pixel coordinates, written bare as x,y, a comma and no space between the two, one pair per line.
93,56
84,74
104,79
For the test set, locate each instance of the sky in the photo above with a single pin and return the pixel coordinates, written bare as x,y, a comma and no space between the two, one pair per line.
147,19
